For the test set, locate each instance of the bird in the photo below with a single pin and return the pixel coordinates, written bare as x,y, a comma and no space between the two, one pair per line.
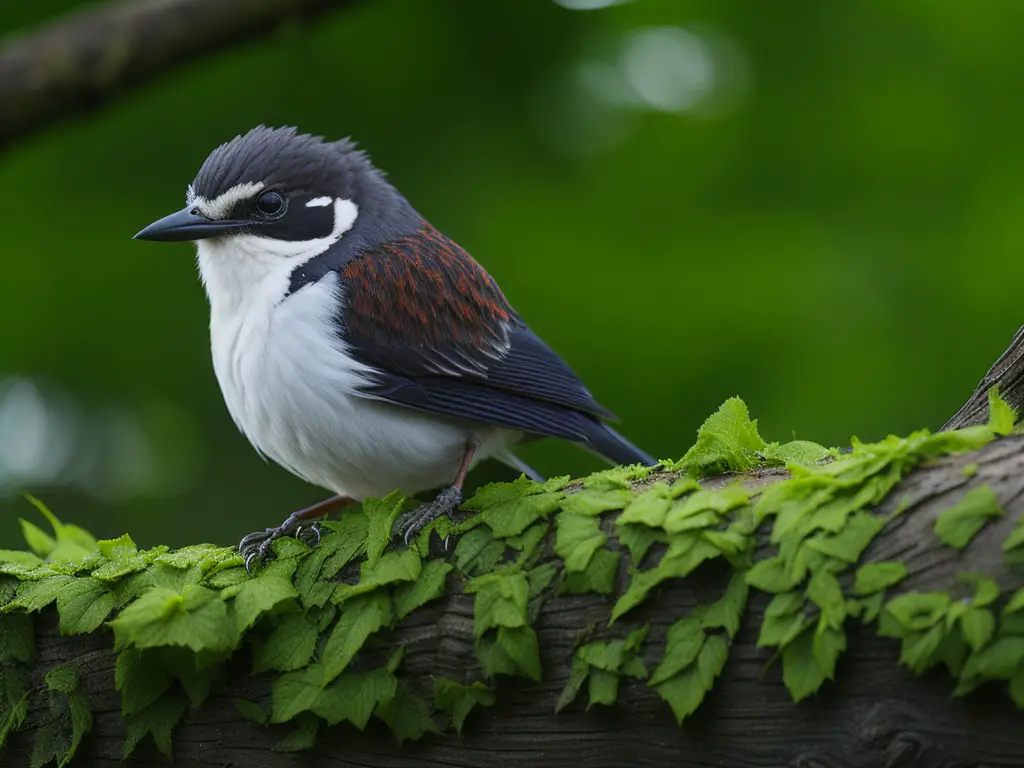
357,346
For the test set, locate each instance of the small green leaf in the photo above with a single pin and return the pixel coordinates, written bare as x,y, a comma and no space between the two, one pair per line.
500,602
355,695
684,693
272,586
512,517
796,452
727,612
603,687
83,605
825,592
829,642
726,442
477,551
591,503
141,678
785,604
17,639
711,659
1001,416
779,631
771,575
648,509
360,617
676,563
1016,537
290,646
978,625
35,595
918,611
196,618
638,539
250,710
599,575
157,720
40,542
428,586
959,524
381,514
520,645
302,737
603,654
458,700
407,715
577,676
800,669
577,539
684,641
919,647
296,692
852,540
986,590
874,577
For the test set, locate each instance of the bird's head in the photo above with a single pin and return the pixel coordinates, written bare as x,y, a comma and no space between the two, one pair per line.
284,190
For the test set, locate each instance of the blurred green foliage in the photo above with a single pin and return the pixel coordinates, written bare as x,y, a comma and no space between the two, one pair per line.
833,233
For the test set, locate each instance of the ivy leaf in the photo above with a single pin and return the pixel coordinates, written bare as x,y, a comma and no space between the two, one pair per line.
959,524
591,502
83,605
381,515
800,669
577,539
407,715
500,602
603,687
779,631
796,452
986,590
726,442
250,710
157,720
978,625
272,585
428,586
493,657
196,618
917,611
478,551
771,575
18,557
577,676
351,531
296,692
638,540
512,517
674,564
825,592
141,678
874,577
829,642
599,575
196,674
648,509
360,618
852,540
495,493
727,612
302,737
17,639
684,641
604,654
711,659
40,542
684,693
290,646
35,595
401,566
528,540
70,543
918,648
458,700
520,645
354,696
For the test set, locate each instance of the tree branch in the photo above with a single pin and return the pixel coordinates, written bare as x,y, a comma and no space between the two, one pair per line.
1008,373
875,713
85,60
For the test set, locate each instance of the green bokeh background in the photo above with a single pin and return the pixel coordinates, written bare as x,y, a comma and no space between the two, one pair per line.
834,233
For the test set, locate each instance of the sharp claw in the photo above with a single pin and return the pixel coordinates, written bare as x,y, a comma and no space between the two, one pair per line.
248,562
316,529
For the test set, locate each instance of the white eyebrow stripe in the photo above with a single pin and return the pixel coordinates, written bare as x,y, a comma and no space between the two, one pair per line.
220,207
319,202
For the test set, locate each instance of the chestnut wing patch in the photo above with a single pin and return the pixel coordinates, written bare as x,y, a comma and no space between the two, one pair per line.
436,326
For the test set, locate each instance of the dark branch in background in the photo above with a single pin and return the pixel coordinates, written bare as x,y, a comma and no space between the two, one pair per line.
83,61
1008,373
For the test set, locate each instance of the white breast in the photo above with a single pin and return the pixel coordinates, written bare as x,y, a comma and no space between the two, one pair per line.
289,382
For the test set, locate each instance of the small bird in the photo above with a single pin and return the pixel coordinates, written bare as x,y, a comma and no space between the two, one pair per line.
356,345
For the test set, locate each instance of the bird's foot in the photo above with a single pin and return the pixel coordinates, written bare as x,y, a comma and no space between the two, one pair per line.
255,547
414,521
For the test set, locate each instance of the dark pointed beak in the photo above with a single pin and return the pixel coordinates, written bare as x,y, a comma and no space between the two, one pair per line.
185,225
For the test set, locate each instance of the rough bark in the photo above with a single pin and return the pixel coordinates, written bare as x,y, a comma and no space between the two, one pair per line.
1008,373
84,60
875,714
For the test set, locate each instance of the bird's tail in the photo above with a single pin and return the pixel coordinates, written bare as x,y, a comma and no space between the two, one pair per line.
609,444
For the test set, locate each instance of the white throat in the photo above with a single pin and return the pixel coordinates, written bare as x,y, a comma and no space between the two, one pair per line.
250,273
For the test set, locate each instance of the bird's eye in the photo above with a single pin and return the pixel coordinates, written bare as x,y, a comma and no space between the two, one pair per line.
270,203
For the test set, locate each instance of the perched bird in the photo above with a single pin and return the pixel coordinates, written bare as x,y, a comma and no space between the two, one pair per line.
354,344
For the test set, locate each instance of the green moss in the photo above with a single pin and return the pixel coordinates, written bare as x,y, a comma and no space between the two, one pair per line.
178,617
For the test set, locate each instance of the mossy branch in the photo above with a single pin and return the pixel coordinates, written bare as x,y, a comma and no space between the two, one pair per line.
83,61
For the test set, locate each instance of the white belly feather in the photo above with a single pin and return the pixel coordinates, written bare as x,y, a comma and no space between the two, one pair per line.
289,382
